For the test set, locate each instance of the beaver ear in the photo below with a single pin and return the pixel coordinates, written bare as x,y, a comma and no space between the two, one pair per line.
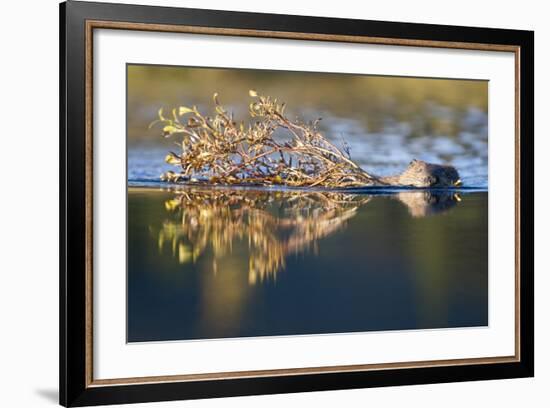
413,161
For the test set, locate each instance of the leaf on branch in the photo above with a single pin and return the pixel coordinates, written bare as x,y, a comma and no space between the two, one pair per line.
172,158
169,130
184,109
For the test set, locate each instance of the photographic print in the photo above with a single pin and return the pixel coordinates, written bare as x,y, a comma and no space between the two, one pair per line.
260,203
279,203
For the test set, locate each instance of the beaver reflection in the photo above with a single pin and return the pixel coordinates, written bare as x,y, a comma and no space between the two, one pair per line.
273,224
425,203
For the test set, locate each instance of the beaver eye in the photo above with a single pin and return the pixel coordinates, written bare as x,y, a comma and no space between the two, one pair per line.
431,180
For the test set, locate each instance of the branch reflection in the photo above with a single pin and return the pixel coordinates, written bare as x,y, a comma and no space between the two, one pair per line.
276,224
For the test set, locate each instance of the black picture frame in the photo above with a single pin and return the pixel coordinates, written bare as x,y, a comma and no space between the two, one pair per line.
75,387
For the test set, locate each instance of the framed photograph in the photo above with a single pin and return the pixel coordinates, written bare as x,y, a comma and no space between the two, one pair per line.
256,203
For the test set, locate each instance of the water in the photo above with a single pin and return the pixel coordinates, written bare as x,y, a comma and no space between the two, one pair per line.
224,262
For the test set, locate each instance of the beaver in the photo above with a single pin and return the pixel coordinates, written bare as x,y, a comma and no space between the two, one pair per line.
421,174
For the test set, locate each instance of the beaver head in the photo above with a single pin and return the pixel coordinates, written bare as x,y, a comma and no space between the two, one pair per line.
422,174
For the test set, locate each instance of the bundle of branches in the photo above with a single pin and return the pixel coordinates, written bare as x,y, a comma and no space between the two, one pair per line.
219,150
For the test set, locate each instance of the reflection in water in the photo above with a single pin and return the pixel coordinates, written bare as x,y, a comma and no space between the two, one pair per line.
274,224
219,263
425,203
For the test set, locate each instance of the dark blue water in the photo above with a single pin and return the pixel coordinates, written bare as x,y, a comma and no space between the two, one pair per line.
223,262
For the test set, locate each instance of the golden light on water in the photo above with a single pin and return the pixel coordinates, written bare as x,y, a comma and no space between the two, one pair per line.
273,225
215,219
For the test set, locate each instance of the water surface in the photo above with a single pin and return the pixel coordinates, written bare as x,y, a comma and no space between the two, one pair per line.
220,263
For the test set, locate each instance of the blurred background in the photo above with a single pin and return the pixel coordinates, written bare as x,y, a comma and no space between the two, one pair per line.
387,121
